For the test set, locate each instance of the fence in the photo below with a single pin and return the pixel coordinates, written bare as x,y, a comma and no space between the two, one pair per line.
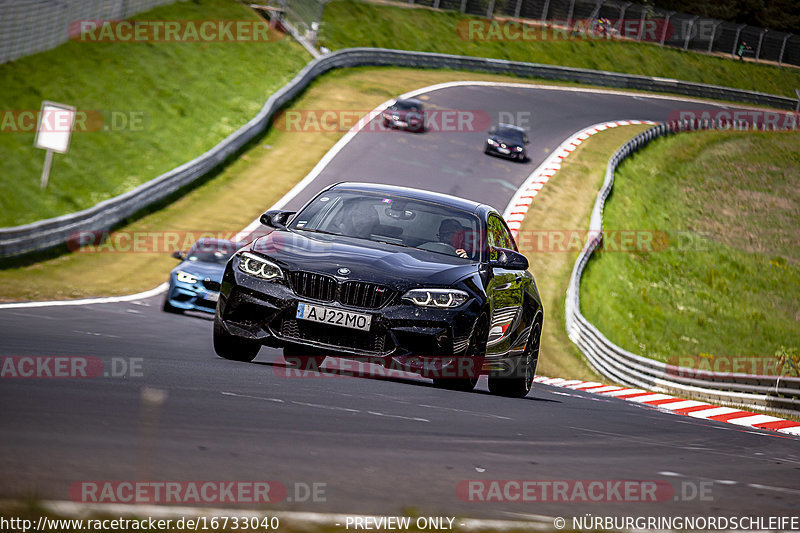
666,28
778,393
30,26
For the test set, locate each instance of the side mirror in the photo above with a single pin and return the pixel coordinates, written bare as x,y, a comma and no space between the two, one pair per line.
509,259
179,254
526,140
276,218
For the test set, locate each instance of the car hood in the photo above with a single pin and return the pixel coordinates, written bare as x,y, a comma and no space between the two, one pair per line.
507,140
202,270
368,261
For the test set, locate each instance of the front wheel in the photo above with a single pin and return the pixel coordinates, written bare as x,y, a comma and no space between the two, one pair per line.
517,384
230,347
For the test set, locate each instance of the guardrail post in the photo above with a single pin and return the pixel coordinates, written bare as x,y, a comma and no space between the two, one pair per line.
797,107
641,25
713,35
490,10
436,4
519,8
783,48
544,10
689,32
569,15
736,40
623,9
463,6
760,40
666,27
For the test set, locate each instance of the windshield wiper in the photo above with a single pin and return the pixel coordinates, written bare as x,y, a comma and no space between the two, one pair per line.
317,231
390,242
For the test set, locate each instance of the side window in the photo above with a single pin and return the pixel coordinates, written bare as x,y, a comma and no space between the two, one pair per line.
498,236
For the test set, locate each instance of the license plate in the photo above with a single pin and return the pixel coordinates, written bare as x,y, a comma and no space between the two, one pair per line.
335,317
504,150
212,296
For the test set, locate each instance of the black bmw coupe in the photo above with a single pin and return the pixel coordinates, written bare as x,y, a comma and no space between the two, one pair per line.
409,279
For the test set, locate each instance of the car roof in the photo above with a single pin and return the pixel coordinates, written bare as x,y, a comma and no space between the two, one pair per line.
511,127
414,194
409,101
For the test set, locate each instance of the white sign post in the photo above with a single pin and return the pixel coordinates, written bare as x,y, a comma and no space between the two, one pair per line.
53,132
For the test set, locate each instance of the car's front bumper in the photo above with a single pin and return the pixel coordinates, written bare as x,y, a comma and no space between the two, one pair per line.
508,153
191,297
400,334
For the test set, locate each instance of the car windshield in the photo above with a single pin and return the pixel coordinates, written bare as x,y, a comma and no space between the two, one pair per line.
403,105
217,252
510,133
394,220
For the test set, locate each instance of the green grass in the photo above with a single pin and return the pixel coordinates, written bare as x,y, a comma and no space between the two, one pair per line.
732,291
348,23
189,95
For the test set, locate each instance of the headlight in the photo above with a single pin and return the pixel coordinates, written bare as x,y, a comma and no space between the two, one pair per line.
395,117
492,142
185,277
436,297
518,148
259,267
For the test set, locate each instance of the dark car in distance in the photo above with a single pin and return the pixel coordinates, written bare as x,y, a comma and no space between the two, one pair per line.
409,279
406,114
508,141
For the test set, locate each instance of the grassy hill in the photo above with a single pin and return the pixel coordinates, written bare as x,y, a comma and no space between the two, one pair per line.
171,101
348,23
729,290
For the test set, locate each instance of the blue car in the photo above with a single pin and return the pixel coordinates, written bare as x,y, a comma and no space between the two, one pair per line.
194,284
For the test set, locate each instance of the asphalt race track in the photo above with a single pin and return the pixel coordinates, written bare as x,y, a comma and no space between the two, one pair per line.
381,445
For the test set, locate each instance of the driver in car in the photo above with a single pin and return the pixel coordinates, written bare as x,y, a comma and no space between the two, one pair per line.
452,232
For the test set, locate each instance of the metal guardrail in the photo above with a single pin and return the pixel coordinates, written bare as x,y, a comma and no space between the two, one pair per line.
778,393
44,234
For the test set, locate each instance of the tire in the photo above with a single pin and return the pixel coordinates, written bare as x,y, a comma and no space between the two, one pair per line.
230,347
475,351
518,385
303,357
169,308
